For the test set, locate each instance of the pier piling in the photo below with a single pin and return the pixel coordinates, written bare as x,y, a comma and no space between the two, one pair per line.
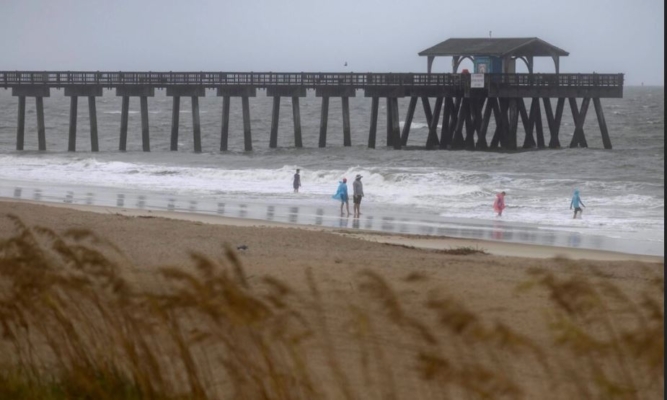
71,146
296,112
224,131
323,121
408,120
603,124
247,135
145,138
124,114
92,114
175,117
273,140
347,139
20,126
41,128
372,132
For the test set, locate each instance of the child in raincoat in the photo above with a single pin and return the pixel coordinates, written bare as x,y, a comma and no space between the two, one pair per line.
575,203
499,203
341,195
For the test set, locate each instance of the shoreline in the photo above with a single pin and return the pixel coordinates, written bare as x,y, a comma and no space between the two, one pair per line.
427,242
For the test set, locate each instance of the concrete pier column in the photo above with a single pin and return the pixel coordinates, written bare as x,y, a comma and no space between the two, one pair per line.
224,132
324,118
41,129
374,122
602,122
275,116
432,140
145,139
175,117
20,126
513,123
408,120
73,106
389,119
74,92
196,126
247,135
297,122
347,139
395,128
124,114
92,114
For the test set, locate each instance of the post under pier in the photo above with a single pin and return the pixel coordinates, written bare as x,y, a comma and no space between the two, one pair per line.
344,92
38,92
295,92
143,92
244,92
372,132
194,92
74,92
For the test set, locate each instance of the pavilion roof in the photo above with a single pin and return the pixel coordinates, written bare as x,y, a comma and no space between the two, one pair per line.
498,47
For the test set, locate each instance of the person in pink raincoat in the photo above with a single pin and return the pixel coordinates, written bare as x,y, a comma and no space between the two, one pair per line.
499,203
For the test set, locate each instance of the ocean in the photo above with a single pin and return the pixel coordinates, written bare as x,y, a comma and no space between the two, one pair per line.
408,191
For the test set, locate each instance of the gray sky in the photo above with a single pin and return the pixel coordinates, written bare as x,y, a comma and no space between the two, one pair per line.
312,35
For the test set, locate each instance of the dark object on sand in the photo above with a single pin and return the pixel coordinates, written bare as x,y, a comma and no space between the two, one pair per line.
242,247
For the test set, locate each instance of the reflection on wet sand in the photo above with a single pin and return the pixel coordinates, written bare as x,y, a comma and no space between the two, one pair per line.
312,215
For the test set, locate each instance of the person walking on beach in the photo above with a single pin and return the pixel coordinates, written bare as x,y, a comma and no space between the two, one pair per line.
357,194
575,203
297,181
341,195
499,203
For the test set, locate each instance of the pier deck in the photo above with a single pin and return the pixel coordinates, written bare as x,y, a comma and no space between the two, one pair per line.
463,102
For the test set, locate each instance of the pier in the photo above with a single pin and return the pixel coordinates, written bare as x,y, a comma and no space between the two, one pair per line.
462,103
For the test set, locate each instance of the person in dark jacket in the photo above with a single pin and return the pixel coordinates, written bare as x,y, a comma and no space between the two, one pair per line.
297,181
357,194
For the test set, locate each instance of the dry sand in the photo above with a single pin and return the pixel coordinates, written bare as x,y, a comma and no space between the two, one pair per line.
485,282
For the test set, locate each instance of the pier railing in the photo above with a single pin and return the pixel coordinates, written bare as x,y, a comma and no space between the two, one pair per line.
57,79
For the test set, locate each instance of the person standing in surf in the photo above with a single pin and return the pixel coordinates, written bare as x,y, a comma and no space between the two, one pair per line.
341,195
499,203
357,194
575,203
297,181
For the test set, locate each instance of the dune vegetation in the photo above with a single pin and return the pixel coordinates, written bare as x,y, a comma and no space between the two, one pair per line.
79,320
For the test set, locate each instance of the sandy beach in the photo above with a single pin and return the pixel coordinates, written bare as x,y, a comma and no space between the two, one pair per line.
486,283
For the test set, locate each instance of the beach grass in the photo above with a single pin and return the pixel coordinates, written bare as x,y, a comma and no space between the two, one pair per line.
76,322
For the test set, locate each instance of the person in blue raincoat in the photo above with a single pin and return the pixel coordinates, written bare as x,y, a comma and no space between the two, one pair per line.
341,195
576,203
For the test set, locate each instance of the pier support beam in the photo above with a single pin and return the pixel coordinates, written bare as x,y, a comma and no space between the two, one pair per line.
194,92
145,138
71,144
603,124
486,118
296,113
395,128
513,123
38,92
554,120
375,103
347,138
537,122
432,139
143,92
323,121
247,135
224,132
20,126
92,114
74,92
236,91
389,121
124,113
579,138
175,120
275,115
196,126
408,120
457,141
445,132
41,128
529,140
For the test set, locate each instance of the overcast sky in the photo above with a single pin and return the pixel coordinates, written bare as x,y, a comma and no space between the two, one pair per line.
309,35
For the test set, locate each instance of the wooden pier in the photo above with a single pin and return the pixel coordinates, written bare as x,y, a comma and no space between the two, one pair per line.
464,104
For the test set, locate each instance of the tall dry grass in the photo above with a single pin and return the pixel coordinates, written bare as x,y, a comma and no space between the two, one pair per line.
76,322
